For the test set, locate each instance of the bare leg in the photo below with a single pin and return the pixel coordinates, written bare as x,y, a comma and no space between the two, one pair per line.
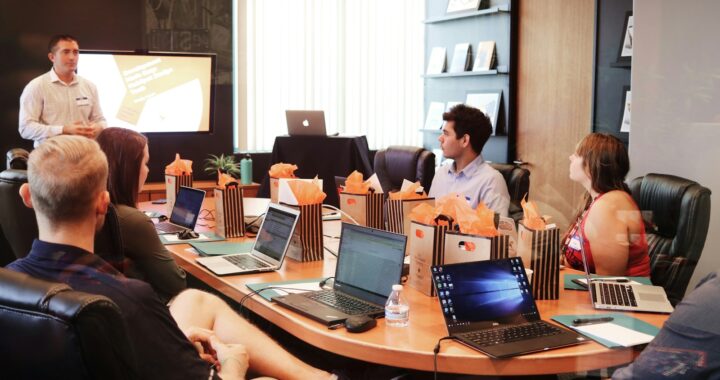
196,308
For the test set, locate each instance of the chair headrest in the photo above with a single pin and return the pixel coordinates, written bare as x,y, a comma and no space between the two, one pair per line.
22,291
17,158
14,176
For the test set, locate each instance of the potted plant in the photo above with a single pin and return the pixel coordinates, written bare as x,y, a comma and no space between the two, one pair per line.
225,164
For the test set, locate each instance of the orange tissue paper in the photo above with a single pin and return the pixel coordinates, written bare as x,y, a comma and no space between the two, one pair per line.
307,193
531,215
354,184
408,193
179,166
282,170
224,180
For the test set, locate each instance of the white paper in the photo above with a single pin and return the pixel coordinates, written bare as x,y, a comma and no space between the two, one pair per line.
615,333
173,238
285,194
375,183
610,279
406,184
301,287
436,64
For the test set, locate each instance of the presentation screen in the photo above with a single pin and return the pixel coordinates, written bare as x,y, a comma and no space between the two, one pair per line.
152,92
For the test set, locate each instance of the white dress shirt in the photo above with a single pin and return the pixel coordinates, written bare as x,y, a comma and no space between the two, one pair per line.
478,181
47,104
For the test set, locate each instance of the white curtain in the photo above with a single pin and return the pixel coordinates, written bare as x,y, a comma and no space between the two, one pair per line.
358,60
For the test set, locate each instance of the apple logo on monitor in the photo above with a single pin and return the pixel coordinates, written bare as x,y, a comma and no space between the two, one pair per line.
306,123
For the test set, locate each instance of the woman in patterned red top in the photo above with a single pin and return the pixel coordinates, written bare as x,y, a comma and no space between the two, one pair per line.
608,224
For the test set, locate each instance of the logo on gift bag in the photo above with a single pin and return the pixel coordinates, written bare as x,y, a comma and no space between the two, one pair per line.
419,233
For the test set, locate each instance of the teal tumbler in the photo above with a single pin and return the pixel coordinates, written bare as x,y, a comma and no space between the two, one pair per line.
246,170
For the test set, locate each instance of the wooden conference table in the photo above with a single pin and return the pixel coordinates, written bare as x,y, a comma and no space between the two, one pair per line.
410,347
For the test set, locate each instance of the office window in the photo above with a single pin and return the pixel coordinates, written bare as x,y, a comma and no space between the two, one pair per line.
359,61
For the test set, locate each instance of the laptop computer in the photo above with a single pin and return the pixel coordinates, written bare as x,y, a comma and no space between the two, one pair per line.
305,123
488,305
270,246
613,295
184,213
369,263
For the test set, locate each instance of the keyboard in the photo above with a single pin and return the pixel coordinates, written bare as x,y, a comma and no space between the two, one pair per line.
615,294
246,262
346,304
509,334
168,228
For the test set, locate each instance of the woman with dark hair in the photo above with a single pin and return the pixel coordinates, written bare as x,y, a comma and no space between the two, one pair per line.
608,225
127,154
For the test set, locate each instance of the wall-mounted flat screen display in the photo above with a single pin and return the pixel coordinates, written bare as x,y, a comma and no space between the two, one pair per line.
152,92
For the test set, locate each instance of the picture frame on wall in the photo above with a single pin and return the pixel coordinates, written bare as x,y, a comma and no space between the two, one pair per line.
627,107
487,101
626,44
455,6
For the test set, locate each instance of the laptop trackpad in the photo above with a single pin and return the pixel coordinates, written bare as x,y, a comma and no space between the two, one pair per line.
651,297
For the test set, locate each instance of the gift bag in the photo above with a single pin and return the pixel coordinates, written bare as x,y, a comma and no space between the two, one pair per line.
365,209
540,251
398,210
274,188
462,248
172,186
307,242
229,213
426,246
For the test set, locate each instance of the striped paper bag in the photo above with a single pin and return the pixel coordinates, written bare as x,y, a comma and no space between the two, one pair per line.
229,213
397,211
172,186
366,209
307,242
461,248
426,245
540,251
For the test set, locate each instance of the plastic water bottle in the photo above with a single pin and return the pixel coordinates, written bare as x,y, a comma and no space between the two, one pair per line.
397,310
246,170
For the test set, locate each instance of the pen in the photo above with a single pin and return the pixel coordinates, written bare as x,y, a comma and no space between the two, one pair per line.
591,321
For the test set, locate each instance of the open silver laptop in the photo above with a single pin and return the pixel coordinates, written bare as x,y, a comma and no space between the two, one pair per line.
611,295
270,246
305,123
185,211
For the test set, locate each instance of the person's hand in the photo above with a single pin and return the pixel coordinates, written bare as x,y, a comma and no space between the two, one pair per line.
234,359
201,339
78,128
96,129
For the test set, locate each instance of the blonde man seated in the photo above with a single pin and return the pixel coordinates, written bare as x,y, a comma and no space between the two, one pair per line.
195,336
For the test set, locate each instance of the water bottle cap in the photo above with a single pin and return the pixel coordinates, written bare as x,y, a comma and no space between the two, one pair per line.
397,287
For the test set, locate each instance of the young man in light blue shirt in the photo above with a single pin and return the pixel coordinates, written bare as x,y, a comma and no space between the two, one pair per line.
464,135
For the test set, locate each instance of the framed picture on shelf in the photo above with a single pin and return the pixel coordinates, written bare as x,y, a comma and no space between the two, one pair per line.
625,51
487,101
625,123
454,6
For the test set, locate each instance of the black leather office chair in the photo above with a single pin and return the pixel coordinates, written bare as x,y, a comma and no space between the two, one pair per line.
518,184
50,331
396,163
16,158
18,226
676,225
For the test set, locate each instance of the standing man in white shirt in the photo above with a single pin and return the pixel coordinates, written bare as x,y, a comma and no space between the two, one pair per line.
60,102
464,135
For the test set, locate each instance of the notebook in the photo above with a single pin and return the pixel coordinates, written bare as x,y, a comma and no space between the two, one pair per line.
184,213
612,295
305,123
269,250
369,263
488,305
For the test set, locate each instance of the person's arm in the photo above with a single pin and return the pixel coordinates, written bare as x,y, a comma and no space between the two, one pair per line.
495,194
606,230
31,106
96,119
150,257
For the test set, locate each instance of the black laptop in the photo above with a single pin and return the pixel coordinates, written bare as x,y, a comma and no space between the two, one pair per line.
184,213
488,305
369,263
